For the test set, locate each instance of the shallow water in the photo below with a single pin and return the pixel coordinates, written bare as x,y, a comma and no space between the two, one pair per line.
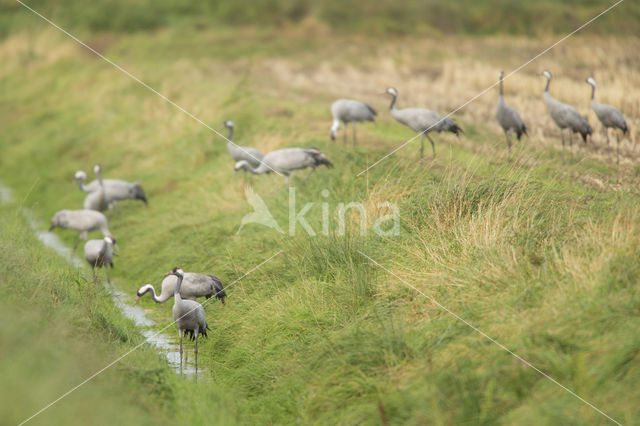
162,343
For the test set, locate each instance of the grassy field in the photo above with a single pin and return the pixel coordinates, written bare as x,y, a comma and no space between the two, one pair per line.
540,256
382,18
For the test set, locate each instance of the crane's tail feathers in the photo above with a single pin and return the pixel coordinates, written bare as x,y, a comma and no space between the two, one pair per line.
139,193
371,110
191,336
318,157
584,136
586,133
219,289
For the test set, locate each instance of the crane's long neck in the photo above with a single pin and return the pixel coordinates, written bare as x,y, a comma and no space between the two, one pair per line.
163,297
393,102
501,90
335,126
99,174
103,250
81,186
176,295
261,169
104,228
593,92
546,88
230,134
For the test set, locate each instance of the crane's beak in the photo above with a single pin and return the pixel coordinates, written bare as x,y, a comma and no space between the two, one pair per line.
167,274
137,299
116,249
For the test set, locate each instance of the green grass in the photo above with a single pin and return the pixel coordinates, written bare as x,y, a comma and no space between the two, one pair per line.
57,329
384,17
527,252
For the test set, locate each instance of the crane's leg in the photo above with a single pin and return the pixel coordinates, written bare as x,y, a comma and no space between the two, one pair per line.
606,133
433,145
313,169
75,246
286,180
506,135
93,272
618,148
421,145
571,141
353,124
180,332
196,333
106,271
562,138
344,136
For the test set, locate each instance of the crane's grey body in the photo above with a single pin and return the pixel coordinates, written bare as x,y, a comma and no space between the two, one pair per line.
565,116
114,190
97,200
189,316
99,253
421,120
286,161
508,118
82,221
609,116
350,111
240,153
194,285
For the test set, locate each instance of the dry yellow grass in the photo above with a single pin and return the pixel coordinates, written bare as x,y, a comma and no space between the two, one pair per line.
444,74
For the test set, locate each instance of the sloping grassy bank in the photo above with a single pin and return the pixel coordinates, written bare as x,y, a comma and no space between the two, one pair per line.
530,252
58,328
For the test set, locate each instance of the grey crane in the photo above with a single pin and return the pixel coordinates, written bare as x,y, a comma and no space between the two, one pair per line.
188,315
97,200
99,253
239,153
421,120
82,221
350,111
508,118
115,189
194,285
286,161
565,116
609,116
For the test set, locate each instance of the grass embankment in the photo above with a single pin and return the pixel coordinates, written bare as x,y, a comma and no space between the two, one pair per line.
58,329
540,256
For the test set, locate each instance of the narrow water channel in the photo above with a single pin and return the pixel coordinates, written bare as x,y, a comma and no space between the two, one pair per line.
161,342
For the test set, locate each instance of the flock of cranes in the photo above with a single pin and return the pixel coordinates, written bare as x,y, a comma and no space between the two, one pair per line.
186,287
424,121
103,194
